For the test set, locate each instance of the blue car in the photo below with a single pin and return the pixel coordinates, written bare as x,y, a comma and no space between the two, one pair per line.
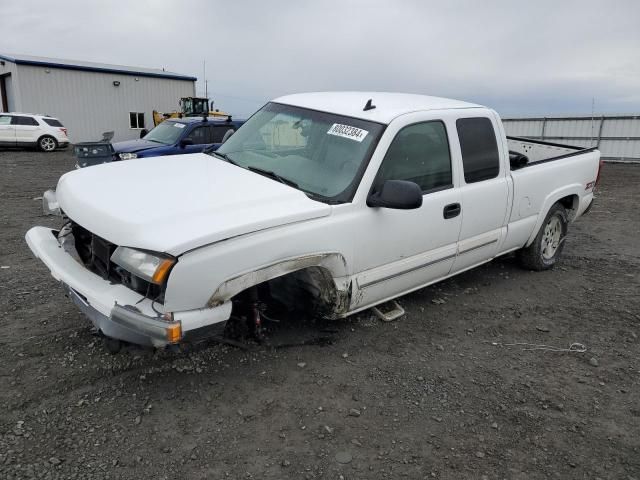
175,136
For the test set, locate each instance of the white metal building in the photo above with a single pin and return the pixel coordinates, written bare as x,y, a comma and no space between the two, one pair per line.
616,136
90,98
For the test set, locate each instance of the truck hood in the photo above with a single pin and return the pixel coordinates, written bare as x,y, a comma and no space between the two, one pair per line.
171,206
134,146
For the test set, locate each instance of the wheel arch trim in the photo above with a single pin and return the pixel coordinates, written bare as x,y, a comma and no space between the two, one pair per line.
553,198
334,263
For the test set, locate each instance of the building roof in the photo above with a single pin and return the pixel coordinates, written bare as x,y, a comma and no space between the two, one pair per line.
388,105
93,67
198,118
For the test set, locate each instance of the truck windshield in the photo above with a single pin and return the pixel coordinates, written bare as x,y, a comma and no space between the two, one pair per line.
320,153
167,133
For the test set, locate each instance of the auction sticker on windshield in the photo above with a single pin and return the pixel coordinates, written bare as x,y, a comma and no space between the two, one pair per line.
179,125
347,131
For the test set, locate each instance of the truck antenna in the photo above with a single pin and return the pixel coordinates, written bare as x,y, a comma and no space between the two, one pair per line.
368,106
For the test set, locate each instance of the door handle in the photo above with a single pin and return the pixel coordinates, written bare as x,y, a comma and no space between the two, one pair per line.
452,210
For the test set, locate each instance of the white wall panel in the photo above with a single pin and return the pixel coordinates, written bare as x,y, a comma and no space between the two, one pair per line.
88,103
617,136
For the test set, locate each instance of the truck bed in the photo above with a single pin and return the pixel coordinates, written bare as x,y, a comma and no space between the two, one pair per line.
524,152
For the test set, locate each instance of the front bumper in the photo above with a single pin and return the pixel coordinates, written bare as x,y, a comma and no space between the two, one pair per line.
115,309
123,323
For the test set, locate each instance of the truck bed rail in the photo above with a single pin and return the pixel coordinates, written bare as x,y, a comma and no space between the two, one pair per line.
538,151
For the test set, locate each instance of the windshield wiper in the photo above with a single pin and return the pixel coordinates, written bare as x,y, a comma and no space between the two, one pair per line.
321,198
211,149
223,156
266,173
274,175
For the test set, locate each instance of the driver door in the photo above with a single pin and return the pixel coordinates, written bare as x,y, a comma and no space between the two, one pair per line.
406,249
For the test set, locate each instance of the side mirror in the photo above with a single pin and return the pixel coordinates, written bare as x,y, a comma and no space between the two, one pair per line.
186,142
397,194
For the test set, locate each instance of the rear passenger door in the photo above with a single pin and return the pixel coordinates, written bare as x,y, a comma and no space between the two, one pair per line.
207,135
7,131
27,129
484,191
199,135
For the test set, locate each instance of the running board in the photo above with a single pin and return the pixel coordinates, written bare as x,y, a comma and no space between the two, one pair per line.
391,315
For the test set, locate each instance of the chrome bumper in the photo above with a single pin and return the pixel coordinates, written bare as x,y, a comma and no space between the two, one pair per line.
124,323
116,310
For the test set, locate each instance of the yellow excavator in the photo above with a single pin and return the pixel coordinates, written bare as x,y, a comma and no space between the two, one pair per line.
190,107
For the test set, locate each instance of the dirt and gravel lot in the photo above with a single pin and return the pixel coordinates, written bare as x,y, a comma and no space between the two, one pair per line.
437,394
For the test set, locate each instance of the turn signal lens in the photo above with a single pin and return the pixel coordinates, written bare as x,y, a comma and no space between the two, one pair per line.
174,332
599,172
162,271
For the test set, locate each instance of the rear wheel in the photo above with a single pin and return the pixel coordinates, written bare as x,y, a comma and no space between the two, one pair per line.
47,143
545,250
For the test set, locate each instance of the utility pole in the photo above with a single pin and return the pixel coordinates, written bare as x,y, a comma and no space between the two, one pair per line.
204,77
593,108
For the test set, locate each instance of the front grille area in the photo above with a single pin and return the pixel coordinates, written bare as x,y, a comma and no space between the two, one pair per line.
95,252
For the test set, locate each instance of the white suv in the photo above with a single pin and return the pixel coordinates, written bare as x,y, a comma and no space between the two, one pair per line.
25,129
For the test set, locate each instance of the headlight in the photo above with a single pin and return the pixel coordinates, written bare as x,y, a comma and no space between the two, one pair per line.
127,156
153,267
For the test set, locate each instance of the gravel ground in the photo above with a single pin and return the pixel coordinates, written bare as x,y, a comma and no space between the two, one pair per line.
440,393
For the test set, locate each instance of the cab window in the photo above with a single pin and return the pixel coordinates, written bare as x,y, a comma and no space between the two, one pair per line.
419,153
219,131
480,158
199,135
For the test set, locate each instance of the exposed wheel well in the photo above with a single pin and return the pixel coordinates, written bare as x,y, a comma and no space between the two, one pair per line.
309,289
570,203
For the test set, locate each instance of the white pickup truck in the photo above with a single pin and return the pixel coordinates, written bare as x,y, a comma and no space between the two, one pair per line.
340,200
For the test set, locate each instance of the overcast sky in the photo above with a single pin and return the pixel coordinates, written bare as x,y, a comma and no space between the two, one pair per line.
519,57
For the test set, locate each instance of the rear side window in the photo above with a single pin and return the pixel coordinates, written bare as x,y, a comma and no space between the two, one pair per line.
30,121
480,157
200,136
218,133
52,122
5,120
419,153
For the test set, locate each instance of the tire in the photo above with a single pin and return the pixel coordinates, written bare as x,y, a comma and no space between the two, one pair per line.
113,345
47,143
545,250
